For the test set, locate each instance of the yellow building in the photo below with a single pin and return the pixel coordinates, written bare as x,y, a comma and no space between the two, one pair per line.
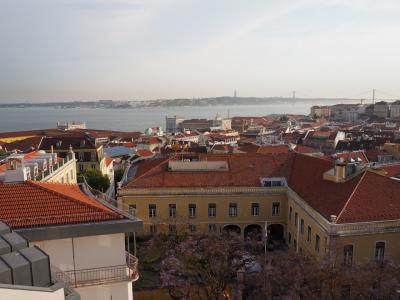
339,210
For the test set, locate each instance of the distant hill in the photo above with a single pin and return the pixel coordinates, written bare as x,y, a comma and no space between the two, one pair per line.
178,102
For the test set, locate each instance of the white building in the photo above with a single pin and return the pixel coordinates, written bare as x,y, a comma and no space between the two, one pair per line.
84,237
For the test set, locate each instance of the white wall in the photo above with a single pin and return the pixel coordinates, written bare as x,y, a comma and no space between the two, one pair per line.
89,252
23,294
115,291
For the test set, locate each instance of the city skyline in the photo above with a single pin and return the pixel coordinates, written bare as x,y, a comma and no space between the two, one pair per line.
140,50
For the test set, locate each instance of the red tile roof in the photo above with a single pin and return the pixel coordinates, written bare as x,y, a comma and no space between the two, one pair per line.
365,197
305,149
144,153
109,160
244,170
273,149
392,170
375,198
32,204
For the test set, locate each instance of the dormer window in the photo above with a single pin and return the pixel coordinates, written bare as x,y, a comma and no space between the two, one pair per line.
273,182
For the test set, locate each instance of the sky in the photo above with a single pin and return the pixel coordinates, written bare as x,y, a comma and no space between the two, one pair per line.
63,50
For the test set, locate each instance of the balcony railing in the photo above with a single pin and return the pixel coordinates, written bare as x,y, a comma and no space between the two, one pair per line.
97,276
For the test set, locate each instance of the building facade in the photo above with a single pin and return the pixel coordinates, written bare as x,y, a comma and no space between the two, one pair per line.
312,204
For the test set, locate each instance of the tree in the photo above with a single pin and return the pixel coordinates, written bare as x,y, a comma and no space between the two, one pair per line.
202,265
95,179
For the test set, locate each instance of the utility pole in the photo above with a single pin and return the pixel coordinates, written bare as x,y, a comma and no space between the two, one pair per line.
373,96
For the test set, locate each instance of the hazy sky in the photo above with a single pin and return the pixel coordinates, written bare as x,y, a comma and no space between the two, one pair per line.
146,49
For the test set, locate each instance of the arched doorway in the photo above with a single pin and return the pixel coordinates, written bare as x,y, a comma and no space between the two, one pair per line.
275,233
254,232
232,228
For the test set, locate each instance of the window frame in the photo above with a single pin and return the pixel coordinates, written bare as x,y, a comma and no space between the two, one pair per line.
192,207
233,209
255,207
172,210
273,212
212,210
152,210
384,250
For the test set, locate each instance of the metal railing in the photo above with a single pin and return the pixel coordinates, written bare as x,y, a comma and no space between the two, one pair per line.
102,275
104,199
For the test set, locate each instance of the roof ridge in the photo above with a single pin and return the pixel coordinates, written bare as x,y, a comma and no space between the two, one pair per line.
351,196
39,185
163,160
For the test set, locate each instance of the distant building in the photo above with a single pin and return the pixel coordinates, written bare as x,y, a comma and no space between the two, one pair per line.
154,131
395,109
172,123
381,109
318,111
71,125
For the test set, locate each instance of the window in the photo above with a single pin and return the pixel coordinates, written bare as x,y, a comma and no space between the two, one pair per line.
302,226
192,228
379,251
172,228
212,209
276,208
93,166
153,229
72,174
255,209
152,210
348,254
192,210
296,219
172,210
317,242
81,156
81,168
132,209
290,238
290,213
67,178
295,243
232,209
309,234
93,156
212,228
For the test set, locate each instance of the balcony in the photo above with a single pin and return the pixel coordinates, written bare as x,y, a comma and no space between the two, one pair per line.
98,276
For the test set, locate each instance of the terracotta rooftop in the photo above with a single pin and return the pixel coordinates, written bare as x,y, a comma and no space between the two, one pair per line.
273,149
244,170
365,197
36,204
392,170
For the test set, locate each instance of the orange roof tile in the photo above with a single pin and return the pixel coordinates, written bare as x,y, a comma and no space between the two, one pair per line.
244,170
32,204
109,160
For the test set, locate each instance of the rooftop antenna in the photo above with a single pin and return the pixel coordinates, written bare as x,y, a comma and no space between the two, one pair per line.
234,94
294,94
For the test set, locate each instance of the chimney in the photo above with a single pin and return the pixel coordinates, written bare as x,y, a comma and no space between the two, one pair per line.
340,170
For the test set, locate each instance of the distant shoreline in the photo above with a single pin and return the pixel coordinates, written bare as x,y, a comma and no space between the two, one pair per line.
202,102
